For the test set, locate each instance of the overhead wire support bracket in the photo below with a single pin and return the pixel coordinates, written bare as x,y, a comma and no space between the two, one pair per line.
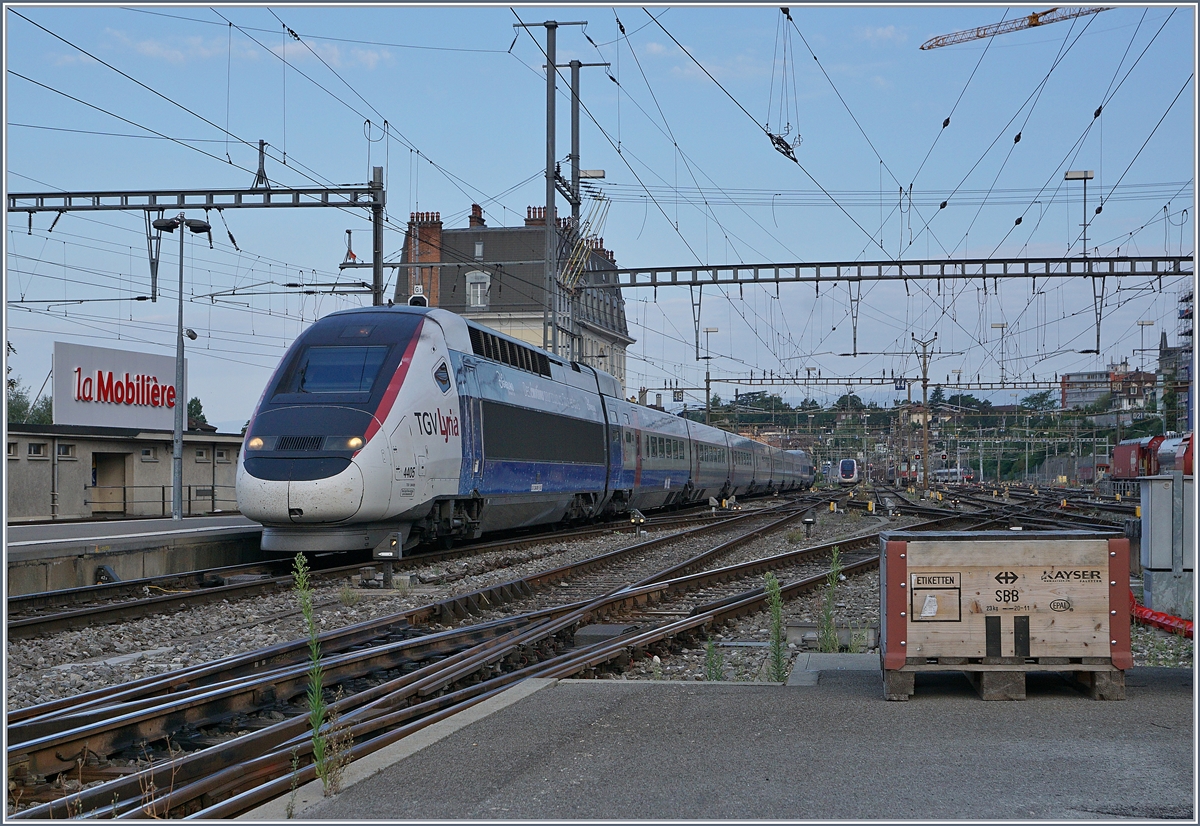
900,271
370,196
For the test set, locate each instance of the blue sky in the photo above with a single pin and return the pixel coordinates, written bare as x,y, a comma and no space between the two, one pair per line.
691,175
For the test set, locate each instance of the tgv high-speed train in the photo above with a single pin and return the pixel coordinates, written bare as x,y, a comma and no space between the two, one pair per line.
412,424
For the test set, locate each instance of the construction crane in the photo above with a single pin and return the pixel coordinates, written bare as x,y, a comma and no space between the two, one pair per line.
1041,18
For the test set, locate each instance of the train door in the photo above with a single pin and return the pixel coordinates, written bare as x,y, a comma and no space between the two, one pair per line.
472,437
108,483
613,449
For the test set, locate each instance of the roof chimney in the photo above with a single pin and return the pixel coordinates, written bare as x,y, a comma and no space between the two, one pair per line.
535,216
476,219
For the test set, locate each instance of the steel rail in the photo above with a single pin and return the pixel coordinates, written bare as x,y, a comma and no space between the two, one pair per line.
43,624
44,743
443,675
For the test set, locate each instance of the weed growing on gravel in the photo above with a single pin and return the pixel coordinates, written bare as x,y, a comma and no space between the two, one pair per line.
827,640
316,703
795,536
151,799
714,663
348,596
656,668
291,804
777,658
340,742
858,639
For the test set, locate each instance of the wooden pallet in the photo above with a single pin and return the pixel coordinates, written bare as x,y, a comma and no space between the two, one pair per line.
1005,680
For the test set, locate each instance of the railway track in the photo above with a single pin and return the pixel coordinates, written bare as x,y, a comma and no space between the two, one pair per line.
102,722
35,615
401,677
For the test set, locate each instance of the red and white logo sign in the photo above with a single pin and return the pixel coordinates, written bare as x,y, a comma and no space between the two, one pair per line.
97,386
141,389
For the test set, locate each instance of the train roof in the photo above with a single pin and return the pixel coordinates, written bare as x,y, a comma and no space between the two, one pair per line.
458,337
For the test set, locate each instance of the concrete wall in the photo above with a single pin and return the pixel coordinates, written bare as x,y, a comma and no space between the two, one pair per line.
58,480
57,568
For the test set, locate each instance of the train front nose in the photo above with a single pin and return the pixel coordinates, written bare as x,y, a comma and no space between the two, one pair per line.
326,500
289,477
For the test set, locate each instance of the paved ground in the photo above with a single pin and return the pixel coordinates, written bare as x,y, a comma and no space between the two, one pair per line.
621,750
100,531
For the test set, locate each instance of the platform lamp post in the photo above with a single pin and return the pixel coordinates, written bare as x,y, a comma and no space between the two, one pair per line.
707,374
196,226
1084,175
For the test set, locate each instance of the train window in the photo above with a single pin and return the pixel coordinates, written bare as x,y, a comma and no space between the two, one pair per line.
336,370
357,331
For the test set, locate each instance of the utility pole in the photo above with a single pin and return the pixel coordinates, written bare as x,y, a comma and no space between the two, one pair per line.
550,306
377,237
925,354
550,337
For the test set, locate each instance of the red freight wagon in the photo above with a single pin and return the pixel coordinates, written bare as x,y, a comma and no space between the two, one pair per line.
1136,457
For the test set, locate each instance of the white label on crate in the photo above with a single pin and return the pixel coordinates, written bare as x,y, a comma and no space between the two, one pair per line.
935,580
929,609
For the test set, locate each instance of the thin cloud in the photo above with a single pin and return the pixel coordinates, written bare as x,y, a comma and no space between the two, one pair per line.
333,54
177,51
882,34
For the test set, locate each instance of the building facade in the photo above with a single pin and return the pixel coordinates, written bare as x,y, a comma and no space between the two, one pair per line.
496,276
74,472
1083,389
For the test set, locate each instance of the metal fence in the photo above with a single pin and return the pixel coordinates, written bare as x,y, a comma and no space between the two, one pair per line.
143,499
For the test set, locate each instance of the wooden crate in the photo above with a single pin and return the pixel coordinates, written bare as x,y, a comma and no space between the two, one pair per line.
998,604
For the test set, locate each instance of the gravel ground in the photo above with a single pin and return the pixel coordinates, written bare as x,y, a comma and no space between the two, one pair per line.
744,646
73,662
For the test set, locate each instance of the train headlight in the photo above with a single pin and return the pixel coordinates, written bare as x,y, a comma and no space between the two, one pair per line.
343,442
255,444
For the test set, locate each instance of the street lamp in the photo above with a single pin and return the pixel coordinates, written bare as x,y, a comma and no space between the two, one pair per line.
1084,175
1143,325
197,226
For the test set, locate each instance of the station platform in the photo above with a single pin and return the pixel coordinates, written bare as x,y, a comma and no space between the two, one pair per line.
824,747
56,555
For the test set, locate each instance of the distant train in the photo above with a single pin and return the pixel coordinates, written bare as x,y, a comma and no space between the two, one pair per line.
847,473
389,426
1176,454
1151,455
953,475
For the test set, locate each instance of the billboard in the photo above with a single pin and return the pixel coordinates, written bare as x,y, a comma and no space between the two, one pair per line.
99,387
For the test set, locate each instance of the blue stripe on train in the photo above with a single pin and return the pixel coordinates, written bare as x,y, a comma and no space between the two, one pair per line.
506,477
